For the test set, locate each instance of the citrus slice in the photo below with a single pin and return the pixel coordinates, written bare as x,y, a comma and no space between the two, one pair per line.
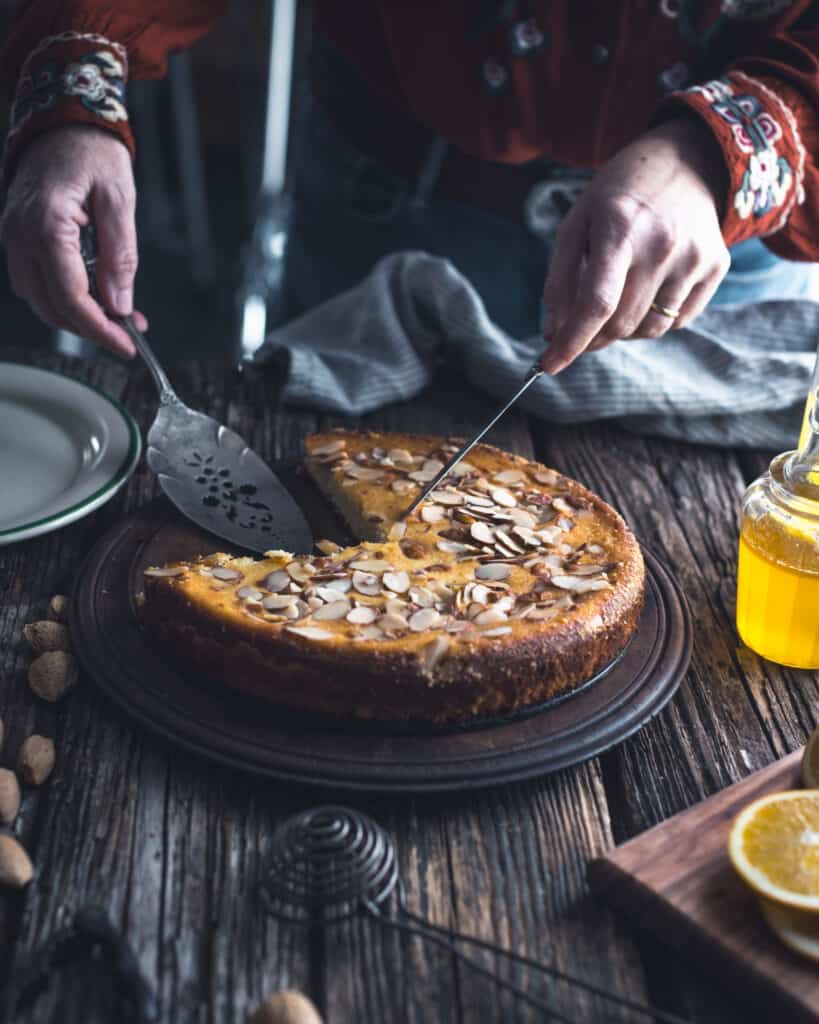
774,846
797,929
810,762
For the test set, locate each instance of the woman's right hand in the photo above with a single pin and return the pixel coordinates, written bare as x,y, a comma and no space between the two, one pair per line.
64,179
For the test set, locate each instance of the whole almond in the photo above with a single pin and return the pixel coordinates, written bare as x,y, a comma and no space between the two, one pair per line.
285,1007
58,608
53,674
9,796
47,636
15,866
36,760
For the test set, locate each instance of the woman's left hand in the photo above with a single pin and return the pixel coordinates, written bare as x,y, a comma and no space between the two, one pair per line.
645,233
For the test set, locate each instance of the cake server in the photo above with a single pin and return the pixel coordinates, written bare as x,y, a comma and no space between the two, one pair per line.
534,374
208,471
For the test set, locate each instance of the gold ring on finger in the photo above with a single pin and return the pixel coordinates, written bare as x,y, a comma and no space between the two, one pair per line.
665,310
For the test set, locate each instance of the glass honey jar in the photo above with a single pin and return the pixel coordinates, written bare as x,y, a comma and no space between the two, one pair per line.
778,575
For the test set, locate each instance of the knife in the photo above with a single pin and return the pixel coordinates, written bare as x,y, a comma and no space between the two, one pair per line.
534,374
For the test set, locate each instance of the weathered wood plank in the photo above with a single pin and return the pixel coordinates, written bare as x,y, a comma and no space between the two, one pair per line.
172,848
506,865
175,849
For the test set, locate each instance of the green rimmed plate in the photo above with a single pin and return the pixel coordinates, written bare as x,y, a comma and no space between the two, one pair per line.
65,449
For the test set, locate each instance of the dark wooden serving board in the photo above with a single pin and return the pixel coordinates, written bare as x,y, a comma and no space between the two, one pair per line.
676,880
243,733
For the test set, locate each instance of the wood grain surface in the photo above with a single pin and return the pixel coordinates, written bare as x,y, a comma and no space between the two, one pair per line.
175,849
676,881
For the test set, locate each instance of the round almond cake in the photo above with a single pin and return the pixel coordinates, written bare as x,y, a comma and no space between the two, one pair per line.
509,586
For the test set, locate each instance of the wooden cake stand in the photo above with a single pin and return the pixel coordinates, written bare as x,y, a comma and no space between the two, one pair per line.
243,733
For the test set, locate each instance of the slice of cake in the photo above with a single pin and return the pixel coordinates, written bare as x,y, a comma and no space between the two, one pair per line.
509,586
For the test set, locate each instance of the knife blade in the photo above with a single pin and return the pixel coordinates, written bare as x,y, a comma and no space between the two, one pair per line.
534,374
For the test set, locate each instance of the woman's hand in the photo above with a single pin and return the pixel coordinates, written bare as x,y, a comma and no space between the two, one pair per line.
646,230
64,179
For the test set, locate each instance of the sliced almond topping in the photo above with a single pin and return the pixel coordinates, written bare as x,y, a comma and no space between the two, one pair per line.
432,513
357,472
491,617
447,497
371,565
176,570
503,497
430,469
548,477
482,533
276,601
395,606
433,653
392,623
363,615
398,582
422,596
300,571
249,594
367,583
580,585
328,547
521,517
493,571
397,531
221,572
400,455
463,468
549,534
342,584
509,476
594,549
328,449
527,535
478,592
277,581
403,486
497,631
310,632
334,610
424,618
371,632
502,537
588,569
453,547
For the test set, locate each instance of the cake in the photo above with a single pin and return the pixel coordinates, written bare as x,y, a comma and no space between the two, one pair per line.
509,586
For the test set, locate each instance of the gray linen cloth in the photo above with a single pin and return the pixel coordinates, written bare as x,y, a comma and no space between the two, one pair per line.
737,376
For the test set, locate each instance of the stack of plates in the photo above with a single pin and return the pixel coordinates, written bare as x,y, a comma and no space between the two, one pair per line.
65,449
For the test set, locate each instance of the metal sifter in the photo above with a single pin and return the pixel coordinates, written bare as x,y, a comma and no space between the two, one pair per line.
332,863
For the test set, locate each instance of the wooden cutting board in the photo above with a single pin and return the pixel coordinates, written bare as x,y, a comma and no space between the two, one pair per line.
677,882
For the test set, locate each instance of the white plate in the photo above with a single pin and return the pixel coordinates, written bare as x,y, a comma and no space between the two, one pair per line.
65,449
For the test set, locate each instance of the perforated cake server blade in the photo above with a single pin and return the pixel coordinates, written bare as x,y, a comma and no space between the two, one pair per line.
208,471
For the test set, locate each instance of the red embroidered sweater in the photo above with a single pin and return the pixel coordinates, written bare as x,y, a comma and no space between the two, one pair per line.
571,80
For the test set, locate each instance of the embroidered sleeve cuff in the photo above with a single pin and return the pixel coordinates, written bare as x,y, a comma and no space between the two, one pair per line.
764,155
73,78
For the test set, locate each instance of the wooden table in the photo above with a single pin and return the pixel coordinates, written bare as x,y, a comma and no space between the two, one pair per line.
174,848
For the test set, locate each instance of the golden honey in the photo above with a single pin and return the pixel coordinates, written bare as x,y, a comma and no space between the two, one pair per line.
778,590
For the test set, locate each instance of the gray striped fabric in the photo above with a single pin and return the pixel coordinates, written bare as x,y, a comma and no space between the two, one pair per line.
737,376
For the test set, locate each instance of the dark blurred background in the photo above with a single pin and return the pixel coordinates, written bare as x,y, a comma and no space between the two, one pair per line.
199,157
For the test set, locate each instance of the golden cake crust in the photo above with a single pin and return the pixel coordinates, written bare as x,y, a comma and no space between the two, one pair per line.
482,657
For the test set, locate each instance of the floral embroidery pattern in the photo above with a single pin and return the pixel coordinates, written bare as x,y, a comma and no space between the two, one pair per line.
766,182
753,10
96,79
